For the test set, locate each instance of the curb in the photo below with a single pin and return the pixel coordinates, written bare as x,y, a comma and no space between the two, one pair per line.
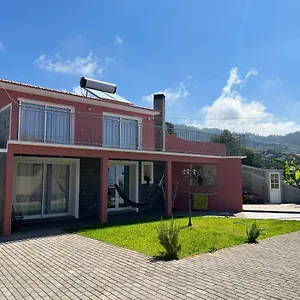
272,211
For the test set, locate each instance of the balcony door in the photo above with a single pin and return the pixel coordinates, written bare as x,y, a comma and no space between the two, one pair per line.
45,123
119,132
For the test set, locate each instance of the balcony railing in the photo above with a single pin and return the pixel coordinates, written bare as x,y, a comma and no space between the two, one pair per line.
57,126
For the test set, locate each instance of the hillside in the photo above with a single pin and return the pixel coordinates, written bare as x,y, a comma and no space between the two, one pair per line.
287,143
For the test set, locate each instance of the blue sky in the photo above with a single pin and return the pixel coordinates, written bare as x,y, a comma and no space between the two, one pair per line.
230,64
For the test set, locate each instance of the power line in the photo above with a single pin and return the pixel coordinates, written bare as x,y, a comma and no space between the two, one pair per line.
178,118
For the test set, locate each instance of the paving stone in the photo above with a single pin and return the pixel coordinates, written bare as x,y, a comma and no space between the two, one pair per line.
56,265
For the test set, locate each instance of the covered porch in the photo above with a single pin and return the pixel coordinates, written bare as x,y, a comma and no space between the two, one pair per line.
137,172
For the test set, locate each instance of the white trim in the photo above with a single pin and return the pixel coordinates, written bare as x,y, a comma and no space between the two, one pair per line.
38,102
15,142
10,113
76,98
47,104
131,163
53,160
144,163
6,106
3,150
120,116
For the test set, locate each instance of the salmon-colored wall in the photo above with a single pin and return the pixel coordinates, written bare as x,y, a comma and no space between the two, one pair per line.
229,186
176,144
88,118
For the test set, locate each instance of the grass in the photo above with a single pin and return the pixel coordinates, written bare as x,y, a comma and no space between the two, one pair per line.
207,234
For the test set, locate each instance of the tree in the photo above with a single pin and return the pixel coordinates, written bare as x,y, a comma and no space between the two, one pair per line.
291,174
252,159
233,145
170,128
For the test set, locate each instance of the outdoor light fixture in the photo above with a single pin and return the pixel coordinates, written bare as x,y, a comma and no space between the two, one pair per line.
188,174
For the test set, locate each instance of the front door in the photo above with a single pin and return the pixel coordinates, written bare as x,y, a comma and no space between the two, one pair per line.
275,192
119,174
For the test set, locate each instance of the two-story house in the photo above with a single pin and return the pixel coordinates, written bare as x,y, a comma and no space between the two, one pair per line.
61,155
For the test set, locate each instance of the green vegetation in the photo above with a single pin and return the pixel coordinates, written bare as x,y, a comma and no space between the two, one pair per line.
207,234
291,172
253,232
170,129
168,236
232,144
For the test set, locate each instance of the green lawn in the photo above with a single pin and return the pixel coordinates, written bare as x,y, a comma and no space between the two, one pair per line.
207,233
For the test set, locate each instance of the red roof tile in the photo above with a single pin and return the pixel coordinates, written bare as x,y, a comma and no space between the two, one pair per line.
71,94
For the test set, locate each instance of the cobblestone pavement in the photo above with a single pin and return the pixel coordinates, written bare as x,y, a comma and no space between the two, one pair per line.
67,266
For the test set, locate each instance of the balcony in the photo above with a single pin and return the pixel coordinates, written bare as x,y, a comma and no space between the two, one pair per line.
61,126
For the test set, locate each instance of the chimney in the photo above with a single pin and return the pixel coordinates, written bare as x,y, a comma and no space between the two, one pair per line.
159,120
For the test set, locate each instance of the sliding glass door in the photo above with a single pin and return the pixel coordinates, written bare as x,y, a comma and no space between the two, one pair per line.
119,174
29,188
42,189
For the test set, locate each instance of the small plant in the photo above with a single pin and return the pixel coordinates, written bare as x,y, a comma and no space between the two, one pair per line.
214,246
168,236
253,233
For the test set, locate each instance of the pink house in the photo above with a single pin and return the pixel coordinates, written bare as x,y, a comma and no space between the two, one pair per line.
61,154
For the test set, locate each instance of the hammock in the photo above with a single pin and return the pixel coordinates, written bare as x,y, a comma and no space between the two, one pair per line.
155,193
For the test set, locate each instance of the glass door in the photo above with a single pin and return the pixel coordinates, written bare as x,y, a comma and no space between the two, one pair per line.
42,189
56,198
29,188
119,174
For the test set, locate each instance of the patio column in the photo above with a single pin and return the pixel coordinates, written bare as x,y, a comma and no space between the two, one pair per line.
168,188
103,189
8,193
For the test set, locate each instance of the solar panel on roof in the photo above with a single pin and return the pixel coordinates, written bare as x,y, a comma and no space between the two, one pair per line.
115,97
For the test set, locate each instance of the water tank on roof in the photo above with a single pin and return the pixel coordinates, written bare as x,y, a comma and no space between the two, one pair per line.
97,85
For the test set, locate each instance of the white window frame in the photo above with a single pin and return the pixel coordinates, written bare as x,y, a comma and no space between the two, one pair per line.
146,163
132,164
74,165
138,119
30,101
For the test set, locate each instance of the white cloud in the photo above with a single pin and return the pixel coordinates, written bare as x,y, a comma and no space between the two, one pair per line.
118,40
1,46
77,90
83,66
234,112
172,94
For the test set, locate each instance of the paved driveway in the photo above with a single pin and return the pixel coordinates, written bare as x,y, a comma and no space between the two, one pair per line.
66,266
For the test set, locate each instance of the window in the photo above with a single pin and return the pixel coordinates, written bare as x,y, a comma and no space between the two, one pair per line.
44,123
207,175
120,132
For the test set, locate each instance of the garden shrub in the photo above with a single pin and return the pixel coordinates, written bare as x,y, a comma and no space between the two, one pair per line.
168,236
253,233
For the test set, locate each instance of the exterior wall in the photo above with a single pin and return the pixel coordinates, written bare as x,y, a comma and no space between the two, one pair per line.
4,126
258,181
88,118
255,180
176,144
290,194
2,186
89,193
228,188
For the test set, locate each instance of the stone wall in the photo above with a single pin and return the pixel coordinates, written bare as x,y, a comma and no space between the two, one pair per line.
145,190
4,126
89,196
2,185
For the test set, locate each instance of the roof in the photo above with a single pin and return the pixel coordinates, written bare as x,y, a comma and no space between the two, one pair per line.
105,100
